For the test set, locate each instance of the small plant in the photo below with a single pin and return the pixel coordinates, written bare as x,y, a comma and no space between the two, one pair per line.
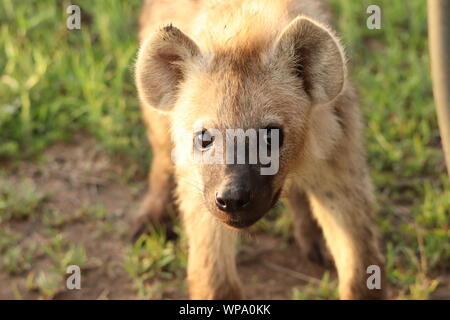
51,281
53,218
153,258
19,201
17,260
7,238
64,254
326,289
48,284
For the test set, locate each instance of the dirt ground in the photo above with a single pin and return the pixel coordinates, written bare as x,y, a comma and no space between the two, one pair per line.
79,174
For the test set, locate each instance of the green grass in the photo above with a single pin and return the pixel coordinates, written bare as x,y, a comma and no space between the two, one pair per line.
19,201
55,83
47,283
154,263
326,289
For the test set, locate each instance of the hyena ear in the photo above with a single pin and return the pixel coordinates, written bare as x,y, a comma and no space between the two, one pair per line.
314,55
161,66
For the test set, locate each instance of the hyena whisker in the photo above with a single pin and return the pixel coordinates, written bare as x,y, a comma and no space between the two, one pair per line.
192,184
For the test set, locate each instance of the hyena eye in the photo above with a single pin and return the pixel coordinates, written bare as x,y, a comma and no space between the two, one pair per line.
270,134
203,140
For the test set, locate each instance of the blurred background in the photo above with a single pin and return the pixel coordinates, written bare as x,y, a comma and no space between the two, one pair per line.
74,158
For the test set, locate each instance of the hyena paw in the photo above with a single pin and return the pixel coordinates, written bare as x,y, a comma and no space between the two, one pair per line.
151,214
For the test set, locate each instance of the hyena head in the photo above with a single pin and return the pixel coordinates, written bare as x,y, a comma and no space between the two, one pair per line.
259,90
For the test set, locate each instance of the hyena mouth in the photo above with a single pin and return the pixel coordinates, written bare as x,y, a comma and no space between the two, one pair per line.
241,223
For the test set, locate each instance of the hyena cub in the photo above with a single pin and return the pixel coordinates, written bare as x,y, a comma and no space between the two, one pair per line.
273,67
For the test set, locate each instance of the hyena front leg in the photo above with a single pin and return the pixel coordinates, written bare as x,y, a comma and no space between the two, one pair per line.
308,234
154,208
211,267
344,211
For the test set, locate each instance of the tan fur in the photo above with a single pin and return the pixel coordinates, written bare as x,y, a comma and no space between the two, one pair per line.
226,63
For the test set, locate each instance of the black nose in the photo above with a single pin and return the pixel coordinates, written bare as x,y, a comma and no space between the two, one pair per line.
233,199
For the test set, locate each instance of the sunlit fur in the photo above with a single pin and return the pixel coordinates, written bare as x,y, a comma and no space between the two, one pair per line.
233,64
